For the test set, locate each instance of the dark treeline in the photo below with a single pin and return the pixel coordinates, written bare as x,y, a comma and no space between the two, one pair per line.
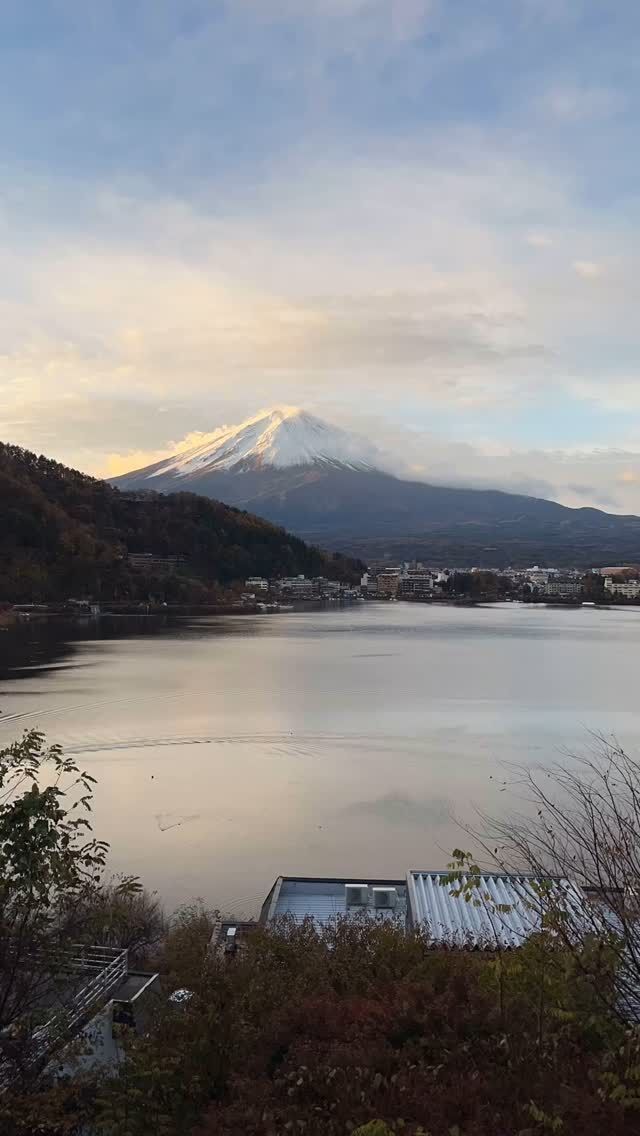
66,534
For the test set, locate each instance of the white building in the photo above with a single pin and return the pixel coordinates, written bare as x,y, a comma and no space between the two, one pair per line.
630,589
296,587
323,587
537,577
256,584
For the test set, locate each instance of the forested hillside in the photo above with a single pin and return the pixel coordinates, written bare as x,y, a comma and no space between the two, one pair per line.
64,534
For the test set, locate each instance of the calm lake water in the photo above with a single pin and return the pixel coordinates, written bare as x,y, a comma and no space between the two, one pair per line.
230,750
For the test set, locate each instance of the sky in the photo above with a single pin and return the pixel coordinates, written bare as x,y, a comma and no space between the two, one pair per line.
417,218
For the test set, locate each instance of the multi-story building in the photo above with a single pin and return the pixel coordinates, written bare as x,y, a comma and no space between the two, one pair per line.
630,589
256,584
388,583
416,584
153,563
324,588
537,577
296,587
563,586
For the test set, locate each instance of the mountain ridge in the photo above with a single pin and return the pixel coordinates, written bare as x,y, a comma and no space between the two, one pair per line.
336,496
65,533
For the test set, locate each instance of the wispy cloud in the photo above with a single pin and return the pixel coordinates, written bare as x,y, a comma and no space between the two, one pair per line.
588,269
571,103
539,240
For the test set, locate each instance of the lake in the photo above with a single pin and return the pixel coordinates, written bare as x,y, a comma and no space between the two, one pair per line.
344,742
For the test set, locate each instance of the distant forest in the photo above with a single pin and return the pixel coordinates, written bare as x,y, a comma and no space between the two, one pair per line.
65,534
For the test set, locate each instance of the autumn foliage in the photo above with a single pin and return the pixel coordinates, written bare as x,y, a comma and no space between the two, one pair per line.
65,534
322,1031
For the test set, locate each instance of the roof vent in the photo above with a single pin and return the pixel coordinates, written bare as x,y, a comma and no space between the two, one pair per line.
384,897
356,895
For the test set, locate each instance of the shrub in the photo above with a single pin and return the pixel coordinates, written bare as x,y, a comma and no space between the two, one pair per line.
324,1031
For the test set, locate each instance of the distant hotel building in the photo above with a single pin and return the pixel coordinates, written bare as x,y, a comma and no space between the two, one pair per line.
619,586
155,563
388,582
297,587
563,586
256,584
416,584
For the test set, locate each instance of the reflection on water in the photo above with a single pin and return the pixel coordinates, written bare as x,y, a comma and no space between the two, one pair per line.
229,750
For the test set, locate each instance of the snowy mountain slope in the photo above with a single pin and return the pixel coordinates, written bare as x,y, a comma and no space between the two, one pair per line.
327,485
280,438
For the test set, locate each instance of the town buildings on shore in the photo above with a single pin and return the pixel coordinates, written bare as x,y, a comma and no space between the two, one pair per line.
382,580
415,581
298,588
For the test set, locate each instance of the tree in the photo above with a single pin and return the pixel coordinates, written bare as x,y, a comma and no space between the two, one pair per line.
50,867
583,825
170,1075
593,587
121,913
64,533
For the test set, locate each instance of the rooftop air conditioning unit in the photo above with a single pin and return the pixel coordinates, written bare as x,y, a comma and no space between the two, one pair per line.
384,897
356,895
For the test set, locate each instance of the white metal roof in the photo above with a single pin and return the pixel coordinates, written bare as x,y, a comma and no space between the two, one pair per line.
450,920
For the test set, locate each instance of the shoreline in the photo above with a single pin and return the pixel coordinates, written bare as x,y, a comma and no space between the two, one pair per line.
12,618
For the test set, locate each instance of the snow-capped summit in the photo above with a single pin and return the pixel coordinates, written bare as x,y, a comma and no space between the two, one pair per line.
330,486
279,438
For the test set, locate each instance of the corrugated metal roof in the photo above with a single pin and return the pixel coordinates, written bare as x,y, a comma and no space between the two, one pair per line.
479,923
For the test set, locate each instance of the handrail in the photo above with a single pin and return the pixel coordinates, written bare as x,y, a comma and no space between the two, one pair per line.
109,967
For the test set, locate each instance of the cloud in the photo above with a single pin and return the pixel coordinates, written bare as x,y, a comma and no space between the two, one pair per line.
573,104
117,463
618,393
363,21
539,240
410,18
588,269
166,302
388,275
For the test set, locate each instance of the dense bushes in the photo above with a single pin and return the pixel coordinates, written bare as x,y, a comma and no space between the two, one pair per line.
322,1031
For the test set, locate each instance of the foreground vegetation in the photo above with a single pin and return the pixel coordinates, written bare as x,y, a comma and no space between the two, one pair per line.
65,534
323,1031
354,1027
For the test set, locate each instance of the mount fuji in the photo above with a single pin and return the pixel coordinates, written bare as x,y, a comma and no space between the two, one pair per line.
325,484
280,438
